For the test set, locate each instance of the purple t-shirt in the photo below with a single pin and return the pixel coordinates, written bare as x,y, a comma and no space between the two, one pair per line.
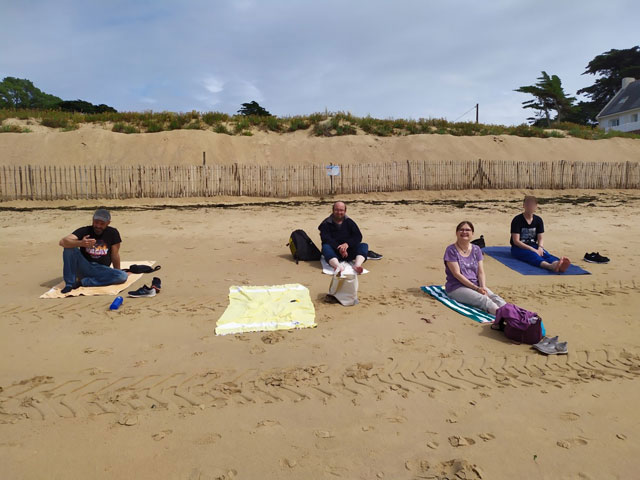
468,266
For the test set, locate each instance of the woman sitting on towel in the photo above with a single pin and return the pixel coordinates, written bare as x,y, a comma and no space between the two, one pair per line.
466,281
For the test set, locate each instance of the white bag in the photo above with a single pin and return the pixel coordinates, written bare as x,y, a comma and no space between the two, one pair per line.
344,288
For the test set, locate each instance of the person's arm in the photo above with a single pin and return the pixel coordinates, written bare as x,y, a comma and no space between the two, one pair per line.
482,280
71,241
516,241
115,256
455,270
355,236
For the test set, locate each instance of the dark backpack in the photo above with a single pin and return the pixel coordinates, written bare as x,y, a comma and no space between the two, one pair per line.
302,247
479,242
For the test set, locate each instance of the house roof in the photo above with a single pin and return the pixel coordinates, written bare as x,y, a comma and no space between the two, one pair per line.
623,101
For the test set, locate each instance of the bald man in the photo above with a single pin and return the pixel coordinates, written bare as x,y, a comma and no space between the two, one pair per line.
342,240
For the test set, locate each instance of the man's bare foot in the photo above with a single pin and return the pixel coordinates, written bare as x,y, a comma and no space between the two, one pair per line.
358,269
564,264
555,266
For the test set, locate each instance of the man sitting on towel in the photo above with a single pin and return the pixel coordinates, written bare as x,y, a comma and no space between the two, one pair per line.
526,240
89,252
342,240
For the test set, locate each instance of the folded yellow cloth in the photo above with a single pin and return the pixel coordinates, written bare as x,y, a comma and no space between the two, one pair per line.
267,308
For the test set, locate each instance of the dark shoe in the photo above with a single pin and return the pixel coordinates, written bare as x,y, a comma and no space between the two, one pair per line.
595,257
373,255
157,284
143,292
68,288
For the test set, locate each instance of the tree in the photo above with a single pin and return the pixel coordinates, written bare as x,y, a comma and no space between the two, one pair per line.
612,67
83,106
253,108
549,96
21,93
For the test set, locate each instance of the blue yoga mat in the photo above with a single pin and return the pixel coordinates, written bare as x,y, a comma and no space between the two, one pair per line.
503,255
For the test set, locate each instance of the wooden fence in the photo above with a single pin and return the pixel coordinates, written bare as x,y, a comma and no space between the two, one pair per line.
36,182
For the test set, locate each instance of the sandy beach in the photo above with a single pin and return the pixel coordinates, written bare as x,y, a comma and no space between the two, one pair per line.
375,391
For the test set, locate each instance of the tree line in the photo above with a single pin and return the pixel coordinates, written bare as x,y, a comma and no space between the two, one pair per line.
22,93
552,104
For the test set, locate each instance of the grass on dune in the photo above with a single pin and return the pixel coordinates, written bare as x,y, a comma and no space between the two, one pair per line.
327,124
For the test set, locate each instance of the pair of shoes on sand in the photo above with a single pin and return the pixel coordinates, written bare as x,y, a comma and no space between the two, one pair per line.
152,291
551,346
595,257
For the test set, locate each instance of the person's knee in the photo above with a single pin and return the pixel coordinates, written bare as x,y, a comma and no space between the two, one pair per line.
121,277
328,251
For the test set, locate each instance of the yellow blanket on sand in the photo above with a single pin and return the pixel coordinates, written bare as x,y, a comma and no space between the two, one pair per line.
55,292
267,308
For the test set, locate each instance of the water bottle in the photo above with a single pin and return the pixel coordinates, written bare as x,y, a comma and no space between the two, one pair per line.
116,303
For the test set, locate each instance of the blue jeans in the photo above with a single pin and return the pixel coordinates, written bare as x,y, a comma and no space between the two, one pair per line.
329,252
532,258
91,274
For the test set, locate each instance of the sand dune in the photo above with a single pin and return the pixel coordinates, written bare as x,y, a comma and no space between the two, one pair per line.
374,391
92,144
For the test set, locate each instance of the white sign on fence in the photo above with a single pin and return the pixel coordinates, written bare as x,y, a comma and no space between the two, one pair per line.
333,170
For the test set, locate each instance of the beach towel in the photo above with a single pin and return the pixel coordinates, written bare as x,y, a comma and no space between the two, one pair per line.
267,308
503,255
438,292
348,268
55,292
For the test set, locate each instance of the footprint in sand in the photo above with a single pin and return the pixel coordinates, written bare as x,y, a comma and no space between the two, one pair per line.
572,442
487,436
272,337
458,441
570,416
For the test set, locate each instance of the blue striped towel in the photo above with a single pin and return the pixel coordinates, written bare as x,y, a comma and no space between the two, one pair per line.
438,292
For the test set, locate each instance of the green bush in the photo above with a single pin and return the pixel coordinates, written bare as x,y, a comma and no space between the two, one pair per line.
121,127
213,118
242,124
220,128
54,122
13,129
322,130
298,123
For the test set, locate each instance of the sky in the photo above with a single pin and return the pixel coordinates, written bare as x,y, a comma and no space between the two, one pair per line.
388,59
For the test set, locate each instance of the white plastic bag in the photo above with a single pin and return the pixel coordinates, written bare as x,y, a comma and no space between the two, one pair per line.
344,288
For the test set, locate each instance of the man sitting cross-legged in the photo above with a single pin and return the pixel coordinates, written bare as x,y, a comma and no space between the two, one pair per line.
89,252
342,240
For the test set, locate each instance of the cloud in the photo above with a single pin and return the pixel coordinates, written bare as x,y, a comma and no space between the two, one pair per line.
409,58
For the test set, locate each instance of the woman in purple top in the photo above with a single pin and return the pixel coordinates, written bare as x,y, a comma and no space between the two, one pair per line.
466,282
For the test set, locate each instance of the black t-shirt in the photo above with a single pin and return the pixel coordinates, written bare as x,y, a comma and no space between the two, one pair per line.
101,251
528,231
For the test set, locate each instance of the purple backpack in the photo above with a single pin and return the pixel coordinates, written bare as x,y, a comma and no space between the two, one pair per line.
519,325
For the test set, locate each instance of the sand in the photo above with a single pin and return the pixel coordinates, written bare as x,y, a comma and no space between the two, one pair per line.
93,144
375,391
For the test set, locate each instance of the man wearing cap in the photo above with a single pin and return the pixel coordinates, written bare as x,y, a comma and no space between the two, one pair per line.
89,252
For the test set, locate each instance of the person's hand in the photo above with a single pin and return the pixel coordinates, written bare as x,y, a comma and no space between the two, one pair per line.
343,249
540,251
87,242
481,291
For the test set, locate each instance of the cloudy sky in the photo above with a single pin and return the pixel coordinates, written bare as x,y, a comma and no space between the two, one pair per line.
395,58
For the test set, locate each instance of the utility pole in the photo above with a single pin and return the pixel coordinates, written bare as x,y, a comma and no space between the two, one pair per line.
477,112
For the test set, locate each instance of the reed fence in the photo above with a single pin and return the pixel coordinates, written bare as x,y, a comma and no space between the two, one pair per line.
35,182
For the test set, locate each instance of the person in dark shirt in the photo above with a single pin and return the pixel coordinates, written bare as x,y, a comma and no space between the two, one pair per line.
526,240
342,240
89,252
